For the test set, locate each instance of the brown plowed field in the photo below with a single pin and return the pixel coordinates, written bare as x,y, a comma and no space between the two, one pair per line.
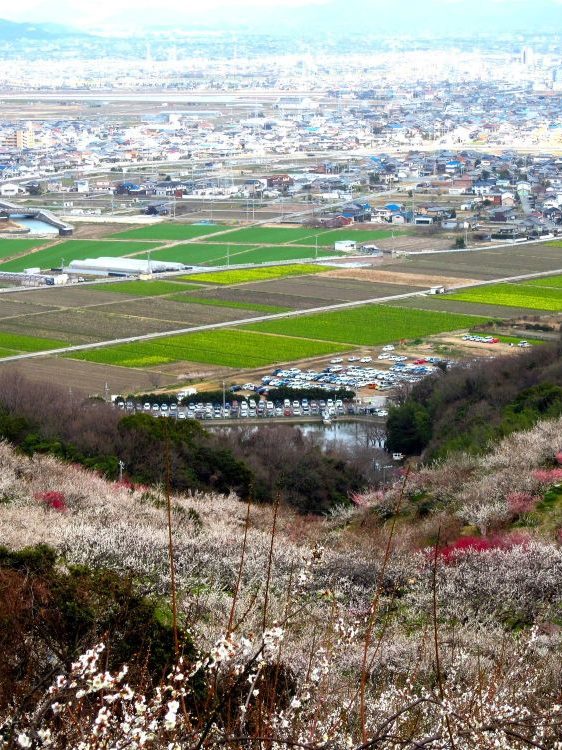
84,326
182,313
395,277
89,377
9,307
483,264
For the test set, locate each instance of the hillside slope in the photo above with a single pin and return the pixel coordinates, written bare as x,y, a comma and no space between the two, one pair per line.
336,623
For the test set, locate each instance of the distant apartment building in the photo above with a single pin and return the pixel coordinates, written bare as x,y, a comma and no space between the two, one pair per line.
20,139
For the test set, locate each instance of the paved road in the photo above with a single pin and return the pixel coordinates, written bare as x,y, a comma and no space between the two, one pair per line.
263,318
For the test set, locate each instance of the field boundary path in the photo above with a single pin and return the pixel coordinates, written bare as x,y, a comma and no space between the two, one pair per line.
263,318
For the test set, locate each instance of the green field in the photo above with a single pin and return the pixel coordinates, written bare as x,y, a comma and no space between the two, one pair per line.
369,325
215,302
272,235
228,347
16,247
256,274
219,255
169,231
75,250
551,282
514,295
201,254
283,252
145,288
326,238
18,343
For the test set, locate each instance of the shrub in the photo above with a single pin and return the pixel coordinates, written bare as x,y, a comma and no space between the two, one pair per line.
548,476
521,502
53,500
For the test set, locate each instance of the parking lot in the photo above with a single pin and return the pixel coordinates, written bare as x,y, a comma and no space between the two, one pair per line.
256,408
354,373
251,400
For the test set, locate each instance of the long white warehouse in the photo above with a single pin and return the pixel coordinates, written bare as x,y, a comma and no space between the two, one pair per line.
121,266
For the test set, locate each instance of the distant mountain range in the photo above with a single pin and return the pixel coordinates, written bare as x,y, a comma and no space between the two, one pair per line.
10,30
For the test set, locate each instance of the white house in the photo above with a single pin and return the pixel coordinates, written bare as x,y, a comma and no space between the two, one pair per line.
9,190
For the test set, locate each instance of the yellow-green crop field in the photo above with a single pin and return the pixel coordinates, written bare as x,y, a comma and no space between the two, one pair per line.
369,325
245,275
227,347
514,295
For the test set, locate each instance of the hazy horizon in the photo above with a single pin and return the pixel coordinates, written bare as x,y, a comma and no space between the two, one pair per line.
363,16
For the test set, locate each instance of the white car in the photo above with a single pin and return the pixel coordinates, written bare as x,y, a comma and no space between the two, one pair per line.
336,361
366,359
388,348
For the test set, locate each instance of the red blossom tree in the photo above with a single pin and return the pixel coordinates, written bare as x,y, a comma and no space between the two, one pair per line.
53,500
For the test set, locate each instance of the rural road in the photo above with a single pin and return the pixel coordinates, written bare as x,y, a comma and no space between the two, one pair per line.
263,318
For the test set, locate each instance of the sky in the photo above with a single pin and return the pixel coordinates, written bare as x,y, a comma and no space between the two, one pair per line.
367,16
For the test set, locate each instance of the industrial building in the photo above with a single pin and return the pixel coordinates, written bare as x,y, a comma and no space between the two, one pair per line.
121,267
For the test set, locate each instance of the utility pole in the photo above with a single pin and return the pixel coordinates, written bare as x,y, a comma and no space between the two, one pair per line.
121,467
223,398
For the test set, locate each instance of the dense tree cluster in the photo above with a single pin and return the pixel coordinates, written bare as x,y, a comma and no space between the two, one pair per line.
467,408
260,464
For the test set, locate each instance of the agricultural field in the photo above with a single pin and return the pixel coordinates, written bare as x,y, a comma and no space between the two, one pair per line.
214,302
514,295
231,348
325,290
245,275
370,325
443,303
349,233
273,235
551,282
11,246
21,343
145,288
168,313
86,326
302,292
51,257
483,264
169,231
201,254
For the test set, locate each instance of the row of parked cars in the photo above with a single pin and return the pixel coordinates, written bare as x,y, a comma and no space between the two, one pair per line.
251,408
491,340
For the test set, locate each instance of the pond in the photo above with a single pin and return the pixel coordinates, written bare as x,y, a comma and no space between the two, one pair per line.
349,434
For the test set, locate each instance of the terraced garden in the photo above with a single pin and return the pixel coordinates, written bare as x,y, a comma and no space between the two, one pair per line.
533,297
230,348
369,325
